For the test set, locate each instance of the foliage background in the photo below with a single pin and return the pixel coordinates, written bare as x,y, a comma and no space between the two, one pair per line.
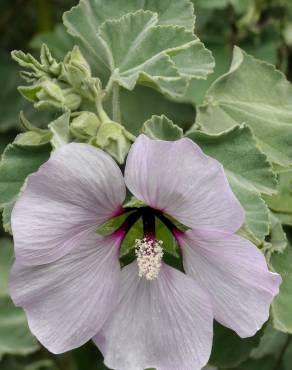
263,28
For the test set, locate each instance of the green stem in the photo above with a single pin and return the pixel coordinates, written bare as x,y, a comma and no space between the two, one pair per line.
116,103
101,112
45,15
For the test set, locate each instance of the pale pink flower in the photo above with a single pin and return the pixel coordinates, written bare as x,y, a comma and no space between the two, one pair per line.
147,314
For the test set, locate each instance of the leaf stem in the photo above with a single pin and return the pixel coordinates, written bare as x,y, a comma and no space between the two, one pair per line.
116,103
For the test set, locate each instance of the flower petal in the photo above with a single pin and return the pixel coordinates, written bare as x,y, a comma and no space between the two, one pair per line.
235,274
178,178
68,301
165,324
78,188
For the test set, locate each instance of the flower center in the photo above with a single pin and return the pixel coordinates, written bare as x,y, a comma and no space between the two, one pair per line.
149,255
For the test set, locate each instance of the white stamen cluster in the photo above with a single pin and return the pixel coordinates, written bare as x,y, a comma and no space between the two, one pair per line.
149,254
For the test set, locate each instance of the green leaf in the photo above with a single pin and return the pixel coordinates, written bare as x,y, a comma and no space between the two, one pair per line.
15,337
137,48
282,304
282,201
6,259
277,239
162,128
247,169
285,218
256,93
140,104
271,343
60,131
17,163
229,350
197,88
257,220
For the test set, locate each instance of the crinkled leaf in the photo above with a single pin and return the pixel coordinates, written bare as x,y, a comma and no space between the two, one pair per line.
282,201
137,47
256,93
229,350
247,169
257,220
277,240
60,131
162,128
179,13
17,163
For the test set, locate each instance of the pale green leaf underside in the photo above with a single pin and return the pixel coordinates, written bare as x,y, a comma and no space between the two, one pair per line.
138,48
178,13
247,169
255,93
162,128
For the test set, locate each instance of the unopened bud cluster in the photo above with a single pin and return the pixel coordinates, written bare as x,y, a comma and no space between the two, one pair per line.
149,255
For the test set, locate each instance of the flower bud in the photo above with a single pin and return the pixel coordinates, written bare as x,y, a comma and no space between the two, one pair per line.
48,94
77,60
85,125
114,139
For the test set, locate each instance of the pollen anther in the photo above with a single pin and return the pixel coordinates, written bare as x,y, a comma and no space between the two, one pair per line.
149,255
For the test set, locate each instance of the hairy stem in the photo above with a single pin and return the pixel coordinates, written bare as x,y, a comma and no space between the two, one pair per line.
116,103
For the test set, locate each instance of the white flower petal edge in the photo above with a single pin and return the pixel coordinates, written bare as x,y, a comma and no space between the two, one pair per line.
235,275
166,324
68,301
78,188
178,178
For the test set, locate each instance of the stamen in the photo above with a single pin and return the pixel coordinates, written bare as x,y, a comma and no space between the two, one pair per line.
149,254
